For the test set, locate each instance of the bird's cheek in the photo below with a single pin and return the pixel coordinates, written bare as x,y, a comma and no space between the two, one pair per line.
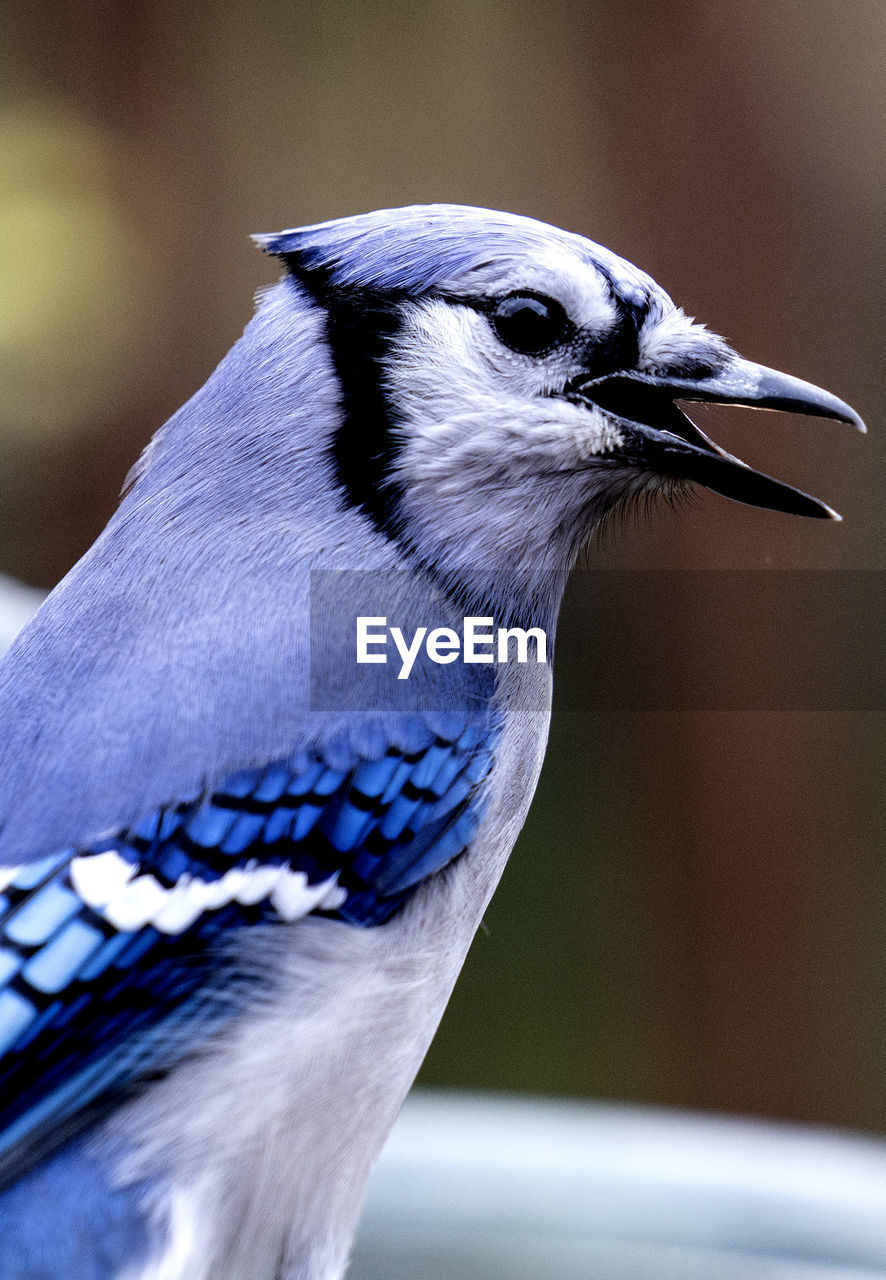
600,436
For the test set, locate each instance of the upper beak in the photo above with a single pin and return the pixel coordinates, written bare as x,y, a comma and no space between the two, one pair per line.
664,439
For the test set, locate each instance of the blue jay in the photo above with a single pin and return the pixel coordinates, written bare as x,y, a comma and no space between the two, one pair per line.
230,917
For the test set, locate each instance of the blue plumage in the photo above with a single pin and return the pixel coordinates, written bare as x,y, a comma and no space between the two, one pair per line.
411,250
237,879
74,985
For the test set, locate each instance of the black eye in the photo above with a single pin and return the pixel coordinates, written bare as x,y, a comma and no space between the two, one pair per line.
529,324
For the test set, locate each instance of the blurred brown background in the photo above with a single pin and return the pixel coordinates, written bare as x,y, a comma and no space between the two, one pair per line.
696,913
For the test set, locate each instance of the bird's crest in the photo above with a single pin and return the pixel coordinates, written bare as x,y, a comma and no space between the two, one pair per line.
410,250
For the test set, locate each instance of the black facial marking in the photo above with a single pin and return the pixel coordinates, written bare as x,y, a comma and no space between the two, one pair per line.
616,350
361,327
620,348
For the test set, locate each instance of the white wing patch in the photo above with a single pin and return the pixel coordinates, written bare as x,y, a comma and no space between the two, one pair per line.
110,885
138,904
99,877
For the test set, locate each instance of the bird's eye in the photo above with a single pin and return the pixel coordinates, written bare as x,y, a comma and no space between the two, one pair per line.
528,323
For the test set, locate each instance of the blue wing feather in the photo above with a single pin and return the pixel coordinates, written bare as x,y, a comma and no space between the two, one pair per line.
85,990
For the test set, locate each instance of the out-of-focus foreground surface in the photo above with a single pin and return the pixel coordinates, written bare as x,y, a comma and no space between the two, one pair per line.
501,1189
696,913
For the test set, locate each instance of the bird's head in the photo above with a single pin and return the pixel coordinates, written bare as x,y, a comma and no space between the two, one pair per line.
505,383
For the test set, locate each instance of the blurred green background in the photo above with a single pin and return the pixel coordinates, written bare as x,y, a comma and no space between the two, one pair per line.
696,913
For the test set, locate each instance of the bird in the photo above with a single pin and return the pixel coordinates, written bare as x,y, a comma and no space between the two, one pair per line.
240,871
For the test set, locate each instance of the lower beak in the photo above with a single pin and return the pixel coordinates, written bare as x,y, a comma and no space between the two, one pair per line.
661,437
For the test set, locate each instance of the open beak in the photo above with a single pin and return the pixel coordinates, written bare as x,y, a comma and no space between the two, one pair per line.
661,437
